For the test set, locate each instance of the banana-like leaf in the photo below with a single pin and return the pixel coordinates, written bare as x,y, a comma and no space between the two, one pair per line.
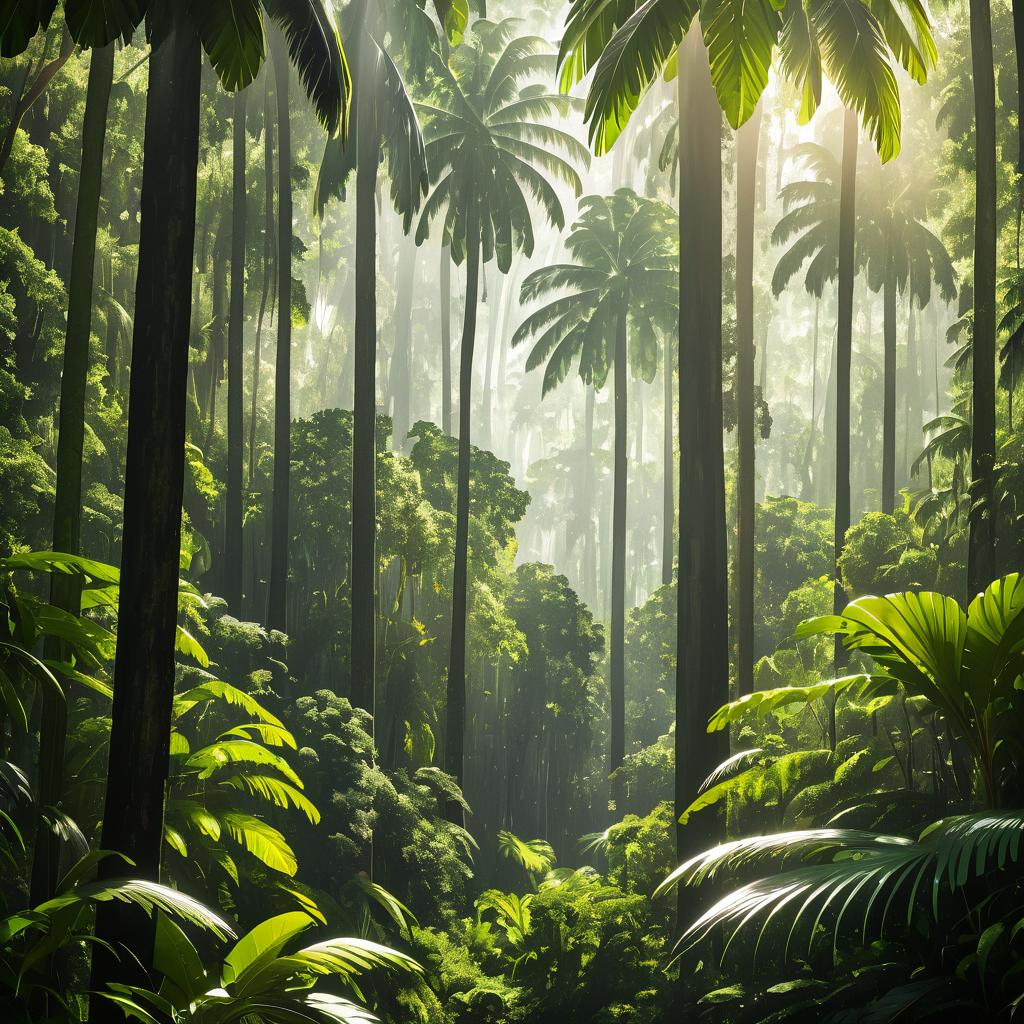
763,702
216,689
99,22
855,879
316,51
149,896
276,792
20,21
533,855
262,944
232,35
263,841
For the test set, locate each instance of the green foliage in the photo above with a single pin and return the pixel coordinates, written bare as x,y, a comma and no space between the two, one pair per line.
624,247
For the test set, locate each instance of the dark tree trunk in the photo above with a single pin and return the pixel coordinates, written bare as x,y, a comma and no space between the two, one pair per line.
401,371
277,591
236,427
617,656
746,182
981,566
844,355
269,248
456,690
446,340
702,662
67,505
1018,41
889,389
364,421
154,477
668,505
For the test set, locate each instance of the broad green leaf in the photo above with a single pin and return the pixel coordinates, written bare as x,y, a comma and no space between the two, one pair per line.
232,35
740,36
763,702
262,944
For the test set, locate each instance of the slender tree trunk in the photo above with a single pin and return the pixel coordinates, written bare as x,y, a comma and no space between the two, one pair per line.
617,658
981,564
401,371
67,506
747,139
492,333
1018,40
702,661
912,388
844,354
446,340
889,390
269,248
668,505
811,479
456,689
236,426
589,542
364,422
154,478
277,591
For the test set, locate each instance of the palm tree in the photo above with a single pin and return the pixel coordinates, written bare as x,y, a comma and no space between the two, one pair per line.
385,119
902,255
487,149
628,47
154,475
612,303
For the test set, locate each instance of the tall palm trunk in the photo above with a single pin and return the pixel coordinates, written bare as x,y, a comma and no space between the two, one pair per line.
589,541
981,566
617,659
67,506
154,478
446,340
811,481
668,507
456,690
277,591
493,321
401,371
269,248
236,427
889,388
746,187
1018,41
844,355
702,660
364,419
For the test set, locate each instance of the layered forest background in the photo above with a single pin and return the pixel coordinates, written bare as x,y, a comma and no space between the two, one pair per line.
451,351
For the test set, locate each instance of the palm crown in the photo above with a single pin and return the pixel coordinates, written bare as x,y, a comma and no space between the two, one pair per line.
625,253
897,242
853,43
811,220
488,147
232,33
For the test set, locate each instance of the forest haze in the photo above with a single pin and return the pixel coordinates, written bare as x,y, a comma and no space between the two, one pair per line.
511,513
